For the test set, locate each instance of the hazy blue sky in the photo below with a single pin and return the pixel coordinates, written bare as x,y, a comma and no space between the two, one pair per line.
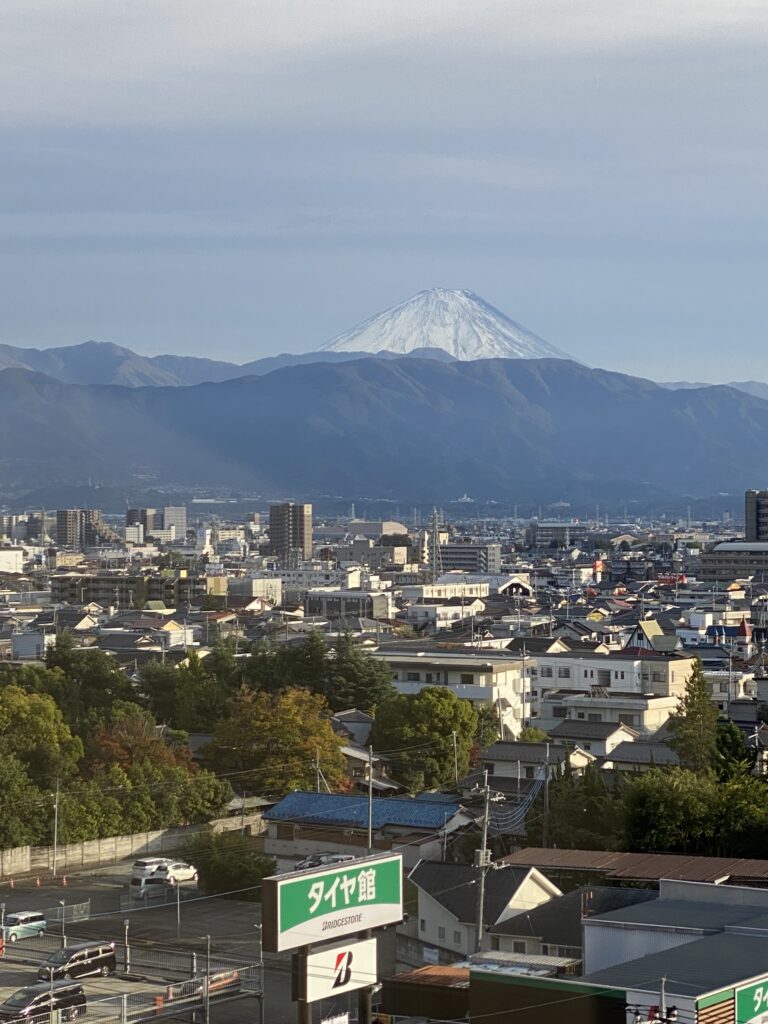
239,177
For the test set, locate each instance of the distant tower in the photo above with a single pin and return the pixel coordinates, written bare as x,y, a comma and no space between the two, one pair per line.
290,532
756,517
435,562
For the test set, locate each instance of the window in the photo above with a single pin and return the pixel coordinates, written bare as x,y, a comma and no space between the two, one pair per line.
518,947
628,719
594,717
559,712
467,678
529,772
563,673
586,746
412,677
546,672
495,943
441,932
422,925
457,938
579,714
544,949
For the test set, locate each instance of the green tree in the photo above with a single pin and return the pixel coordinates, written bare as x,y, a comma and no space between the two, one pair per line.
734,757
32,728
277,739
419,729
228,863
694,726
532,734
584,813
91,683
354,679
487,731
25,812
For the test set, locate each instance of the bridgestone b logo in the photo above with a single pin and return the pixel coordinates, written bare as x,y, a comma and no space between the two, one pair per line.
343,969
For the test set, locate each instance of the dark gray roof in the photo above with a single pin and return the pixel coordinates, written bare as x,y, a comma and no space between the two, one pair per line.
575,729
559,920
507,750
684,914
692,969
454,886
643,753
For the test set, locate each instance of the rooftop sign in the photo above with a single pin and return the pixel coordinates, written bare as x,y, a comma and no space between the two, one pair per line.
328,903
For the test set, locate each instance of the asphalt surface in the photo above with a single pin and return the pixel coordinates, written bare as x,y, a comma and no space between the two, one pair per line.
153,925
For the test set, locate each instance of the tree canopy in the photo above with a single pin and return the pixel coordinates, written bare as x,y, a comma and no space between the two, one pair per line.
419,729
273,742
694,726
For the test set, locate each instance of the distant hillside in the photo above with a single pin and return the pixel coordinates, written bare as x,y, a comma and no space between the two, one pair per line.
100,362
386,427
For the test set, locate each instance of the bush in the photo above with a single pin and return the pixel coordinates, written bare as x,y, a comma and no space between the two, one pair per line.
228,863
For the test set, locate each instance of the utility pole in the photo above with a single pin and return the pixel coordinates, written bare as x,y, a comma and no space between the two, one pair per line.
455,758
482,862
370,799
55,828
545,826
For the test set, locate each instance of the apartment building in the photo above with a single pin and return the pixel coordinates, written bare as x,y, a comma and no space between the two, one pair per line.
290,532
472,675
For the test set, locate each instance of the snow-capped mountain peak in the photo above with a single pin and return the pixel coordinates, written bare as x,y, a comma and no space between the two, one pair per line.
459,322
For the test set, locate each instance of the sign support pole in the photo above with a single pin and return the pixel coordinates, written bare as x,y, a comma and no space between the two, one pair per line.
365,995
303,1008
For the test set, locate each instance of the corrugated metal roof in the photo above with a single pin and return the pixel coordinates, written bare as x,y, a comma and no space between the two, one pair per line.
643,866
441,977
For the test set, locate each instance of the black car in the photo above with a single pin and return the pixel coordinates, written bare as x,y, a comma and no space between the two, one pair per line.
38,1000
78,960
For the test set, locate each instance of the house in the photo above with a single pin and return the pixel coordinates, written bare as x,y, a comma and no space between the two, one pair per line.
532,760
447,901
640,756
355,725
554,928
435,614
598,738
303,823
478,676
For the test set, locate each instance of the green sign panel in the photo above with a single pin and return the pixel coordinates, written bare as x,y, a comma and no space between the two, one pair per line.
329,903
752,1003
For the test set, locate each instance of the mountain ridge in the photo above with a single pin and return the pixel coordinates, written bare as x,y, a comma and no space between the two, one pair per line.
494,428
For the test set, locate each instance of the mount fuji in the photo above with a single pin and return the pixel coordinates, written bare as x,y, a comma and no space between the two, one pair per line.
459,323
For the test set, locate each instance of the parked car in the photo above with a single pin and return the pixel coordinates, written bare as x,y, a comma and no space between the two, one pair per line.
24,923
78,960
177,871
152,887
148,866
318,860
36,1000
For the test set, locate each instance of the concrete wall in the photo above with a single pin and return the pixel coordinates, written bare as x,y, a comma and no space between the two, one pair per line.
25,860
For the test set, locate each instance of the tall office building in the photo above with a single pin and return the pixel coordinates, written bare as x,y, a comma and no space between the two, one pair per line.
756,517
149,518
290,532
176,515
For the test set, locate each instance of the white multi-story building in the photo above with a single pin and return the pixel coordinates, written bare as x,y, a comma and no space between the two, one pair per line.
474,676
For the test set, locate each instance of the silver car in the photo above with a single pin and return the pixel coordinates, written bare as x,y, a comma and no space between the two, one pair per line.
23,924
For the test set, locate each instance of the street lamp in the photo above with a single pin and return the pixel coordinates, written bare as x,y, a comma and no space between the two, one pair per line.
63,914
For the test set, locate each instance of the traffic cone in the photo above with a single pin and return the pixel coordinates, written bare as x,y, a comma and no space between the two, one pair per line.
64,881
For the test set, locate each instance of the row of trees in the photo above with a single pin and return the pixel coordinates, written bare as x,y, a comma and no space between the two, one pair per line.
196,695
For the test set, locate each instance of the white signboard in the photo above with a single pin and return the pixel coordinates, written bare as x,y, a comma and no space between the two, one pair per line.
340,969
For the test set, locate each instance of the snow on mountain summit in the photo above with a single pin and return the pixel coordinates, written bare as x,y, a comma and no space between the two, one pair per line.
459,322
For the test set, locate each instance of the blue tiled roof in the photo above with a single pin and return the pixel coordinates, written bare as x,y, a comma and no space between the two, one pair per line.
328,808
